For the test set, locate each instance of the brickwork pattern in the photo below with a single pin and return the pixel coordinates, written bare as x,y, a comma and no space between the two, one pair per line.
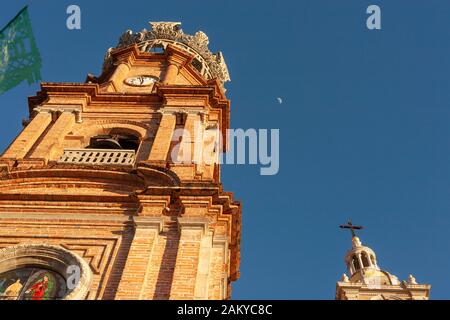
149,230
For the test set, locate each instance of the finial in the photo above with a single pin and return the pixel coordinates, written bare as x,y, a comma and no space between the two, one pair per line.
356,242
345,278
411,279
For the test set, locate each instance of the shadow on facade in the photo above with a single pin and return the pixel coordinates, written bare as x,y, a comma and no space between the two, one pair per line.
119,264
169,258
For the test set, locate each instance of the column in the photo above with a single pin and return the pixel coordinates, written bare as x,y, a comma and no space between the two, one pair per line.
135,272
374,261
29,135
176,59
361,266
171,74
55,135
172,70
163,139
192,230
119,75
351,269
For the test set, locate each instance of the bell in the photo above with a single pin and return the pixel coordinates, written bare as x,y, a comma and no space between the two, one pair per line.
104,142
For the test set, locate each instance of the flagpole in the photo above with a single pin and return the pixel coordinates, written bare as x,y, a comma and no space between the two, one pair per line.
15,17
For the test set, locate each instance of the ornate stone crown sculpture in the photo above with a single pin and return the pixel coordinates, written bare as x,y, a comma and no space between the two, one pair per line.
163,33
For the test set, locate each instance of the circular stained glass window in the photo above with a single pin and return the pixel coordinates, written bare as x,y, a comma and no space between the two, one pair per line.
32,284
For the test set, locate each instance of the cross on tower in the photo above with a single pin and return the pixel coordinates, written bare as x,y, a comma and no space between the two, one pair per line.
352,228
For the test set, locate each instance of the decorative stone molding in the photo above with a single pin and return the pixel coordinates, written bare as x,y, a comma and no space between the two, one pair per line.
359,291
44,110
149,223
222,242
175,110
193,223
49,257
55,111
165,33
211,125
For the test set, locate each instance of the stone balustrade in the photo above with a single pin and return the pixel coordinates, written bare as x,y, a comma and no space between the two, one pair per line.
98,157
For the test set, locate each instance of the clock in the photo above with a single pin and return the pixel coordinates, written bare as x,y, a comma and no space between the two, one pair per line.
141,81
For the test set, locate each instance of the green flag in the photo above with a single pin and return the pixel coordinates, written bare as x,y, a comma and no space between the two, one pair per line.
20,59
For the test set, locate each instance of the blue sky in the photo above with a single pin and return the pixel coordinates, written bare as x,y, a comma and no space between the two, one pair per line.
364,126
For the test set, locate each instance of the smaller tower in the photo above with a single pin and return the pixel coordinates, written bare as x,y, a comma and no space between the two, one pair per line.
368,281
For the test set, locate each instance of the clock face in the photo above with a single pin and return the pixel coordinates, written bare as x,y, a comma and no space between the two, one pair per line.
141,81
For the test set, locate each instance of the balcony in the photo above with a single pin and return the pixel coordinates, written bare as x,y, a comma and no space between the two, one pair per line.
99,157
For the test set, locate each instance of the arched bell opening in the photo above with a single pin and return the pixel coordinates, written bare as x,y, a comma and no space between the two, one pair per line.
114,142
355,263
365,260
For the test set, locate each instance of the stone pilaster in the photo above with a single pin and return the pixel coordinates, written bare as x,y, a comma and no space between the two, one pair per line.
135,273
192,142
49,147
28,137
184,284
119,75
204,264
219,270
163,139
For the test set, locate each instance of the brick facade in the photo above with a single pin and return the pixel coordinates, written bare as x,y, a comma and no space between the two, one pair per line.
151,230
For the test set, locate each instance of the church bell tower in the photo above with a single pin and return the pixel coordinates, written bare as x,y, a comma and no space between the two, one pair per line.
368,281
112,190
